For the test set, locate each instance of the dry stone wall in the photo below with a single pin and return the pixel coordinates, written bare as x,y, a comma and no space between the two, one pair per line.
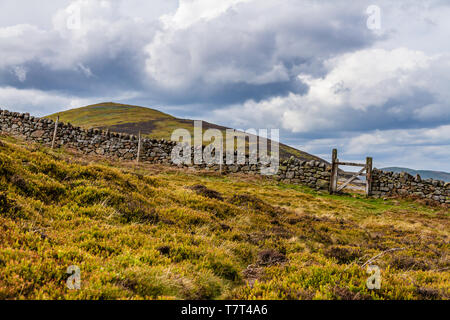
124,146
314,173
404,184
92,142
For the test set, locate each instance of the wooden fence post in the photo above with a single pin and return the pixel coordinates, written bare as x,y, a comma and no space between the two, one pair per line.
369,161
334,171
139,148
54,132
221,162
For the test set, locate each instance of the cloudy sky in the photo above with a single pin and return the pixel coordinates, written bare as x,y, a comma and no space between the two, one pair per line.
371,78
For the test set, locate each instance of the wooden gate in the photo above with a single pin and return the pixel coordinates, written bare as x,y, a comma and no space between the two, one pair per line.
365,171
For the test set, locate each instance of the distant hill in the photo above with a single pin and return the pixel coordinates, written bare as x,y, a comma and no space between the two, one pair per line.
424,174
152,123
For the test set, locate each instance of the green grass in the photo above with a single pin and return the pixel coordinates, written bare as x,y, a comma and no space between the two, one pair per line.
141,232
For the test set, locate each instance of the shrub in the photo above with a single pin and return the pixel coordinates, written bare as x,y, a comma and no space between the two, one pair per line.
6,205
208,193
223,267
342,254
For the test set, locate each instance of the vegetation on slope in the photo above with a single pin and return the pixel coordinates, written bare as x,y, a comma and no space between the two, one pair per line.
152,123
156,232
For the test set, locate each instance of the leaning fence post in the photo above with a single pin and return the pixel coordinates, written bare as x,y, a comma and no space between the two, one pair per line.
369,161
139,148
54,132
333,177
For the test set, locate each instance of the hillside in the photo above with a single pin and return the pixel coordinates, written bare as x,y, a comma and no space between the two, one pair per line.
424,174
154,232
132,119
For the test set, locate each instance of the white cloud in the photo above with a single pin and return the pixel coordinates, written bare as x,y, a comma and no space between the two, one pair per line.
417,25
85,70
20,72
356,85
29,100
103,30
356,82
191,11
41,103
21,43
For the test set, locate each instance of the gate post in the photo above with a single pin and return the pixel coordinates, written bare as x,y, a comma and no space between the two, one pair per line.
369,161
334,171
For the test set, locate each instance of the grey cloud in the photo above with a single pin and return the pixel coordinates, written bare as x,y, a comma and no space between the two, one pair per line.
254,50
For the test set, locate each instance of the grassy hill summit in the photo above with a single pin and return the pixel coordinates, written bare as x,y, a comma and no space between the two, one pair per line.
122,118
152,123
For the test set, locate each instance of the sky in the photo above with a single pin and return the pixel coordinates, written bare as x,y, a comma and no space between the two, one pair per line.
370,78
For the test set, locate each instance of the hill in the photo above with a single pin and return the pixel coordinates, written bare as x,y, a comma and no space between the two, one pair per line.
155,232
153,123
424,174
